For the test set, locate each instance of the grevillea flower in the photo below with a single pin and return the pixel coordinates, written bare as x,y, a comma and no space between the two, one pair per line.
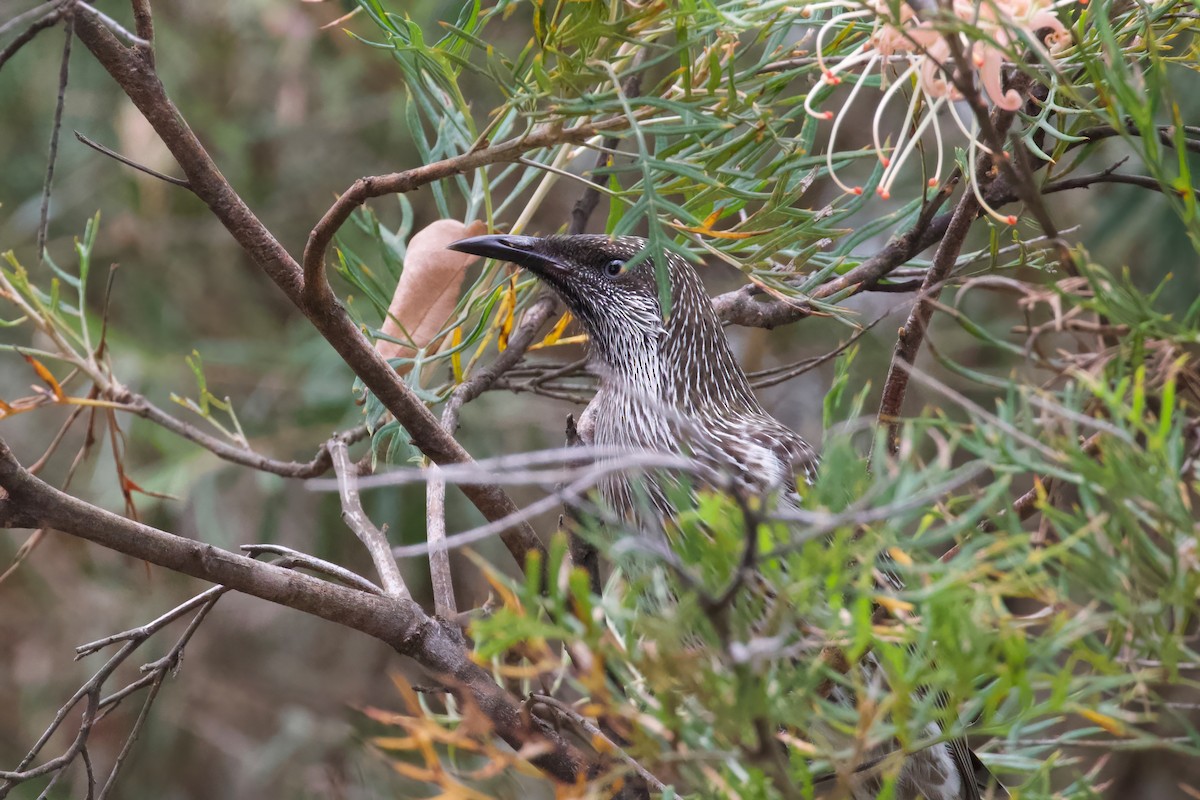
992,28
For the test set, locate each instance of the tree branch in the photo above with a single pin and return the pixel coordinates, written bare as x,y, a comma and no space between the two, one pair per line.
908,342
133,71
64,72
400,623
357,520
909,339
26,36
129,162
317,292
742,306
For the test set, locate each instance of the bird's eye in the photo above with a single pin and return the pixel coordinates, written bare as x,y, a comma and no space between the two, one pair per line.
614,268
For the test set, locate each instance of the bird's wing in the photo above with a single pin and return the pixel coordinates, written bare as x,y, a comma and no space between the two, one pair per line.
769,454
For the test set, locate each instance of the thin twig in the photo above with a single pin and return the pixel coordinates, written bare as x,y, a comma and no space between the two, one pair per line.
317,291
64,71
538,314
133,70
38,11
357,520
291,559
143,22
399,623
1107,176
160,669
27,35
1164,133
908,340
743,306
144,632
113,154
594,731
137,404
571,493
117,27
440,576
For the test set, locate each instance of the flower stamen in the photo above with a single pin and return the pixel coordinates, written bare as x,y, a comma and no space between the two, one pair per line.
856,190
883,103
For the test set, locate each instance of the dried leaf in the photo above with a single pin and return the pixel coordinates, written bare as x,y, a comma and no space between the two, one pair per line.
1110,724
428,289
456,358
46,376
506,312
894,604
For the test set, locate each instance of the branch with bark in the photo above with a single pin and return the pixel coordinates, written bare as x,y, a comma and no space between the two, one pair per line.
398,622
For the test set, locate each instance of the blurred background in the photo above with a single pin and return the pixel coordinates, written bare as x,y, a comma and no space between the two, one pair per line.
268,701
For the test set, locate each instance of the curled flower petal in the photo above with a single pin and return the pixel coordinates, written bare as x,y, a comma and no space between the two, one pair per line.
989,75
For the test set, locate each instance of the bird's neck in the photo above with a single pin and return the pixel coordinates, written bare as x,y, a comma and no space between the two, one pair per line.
699,371
688,366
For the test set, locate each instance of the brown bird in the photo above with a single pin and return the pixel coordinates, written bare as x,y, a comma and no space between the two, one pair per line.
673,386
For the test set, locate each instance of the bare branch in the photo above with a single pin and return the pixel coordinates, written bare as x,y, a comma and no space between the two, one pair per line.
1107,176
357,520
538,314
113,154
115,26
398,622
743,306
48,21
36,13
144,632
319,465
64,71
317,292
1165,135
593,731
292,559
440,576
133,70
143,22
908,342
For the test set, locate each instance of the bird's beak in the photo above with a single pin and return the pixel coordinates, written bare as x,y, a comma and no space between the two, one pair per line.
524,251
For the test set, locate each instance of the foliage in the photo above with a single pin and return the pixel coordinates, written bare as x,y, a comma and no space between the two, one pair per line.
1041,637
1040,512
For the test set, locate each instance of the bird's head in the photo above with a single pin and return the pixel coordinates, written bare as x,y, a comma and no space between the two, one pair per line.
615,301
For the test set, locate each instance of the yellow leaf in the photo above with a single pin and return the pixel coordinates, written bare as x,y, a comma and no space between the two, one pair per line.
557,331
900,557
578,339
1110,724
504,315
456,358
415,772
46,376
893,604
394,742
720,234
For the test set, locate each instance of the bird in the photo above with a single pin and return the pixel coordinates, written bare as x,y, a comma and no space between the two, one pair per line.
671,384
666,385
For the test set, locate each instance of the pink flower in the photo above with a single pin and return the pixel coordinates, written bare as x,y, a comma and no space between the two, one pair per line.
990,29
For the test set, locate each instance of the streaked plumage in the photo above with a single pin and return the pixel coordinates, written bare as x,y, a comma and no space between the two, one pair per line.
668,386
674,386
